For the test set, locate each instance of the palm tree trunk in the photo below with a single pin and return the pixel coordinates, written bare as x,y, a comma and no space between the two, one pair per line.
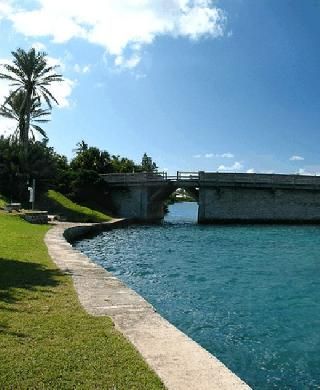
26,120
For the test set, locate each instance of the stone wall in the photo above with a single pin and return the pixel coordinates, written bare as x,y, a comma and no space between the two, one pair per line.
39,217
236,204
79,231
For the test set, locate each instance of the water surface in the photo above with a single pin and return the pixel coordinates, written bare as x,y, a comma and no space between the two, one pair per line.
248,294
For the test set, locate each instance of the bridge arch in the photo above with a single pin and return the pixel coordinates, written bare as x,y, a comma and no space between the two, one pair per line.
142,196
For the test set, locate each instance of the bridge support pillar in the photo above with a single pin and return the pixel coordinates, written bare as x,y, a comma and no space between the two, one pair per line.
135,202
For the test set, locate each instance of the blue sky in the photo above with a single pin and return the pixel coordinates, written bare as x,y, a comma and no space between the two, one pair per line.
229,85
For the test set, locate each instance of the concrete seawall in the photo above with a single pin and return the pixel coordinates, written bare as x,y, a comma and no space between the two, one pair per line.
180,362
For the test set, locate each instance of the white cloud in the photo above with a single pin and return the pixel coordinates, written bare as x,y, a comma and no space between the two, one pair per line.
302,171
62,92
122,27
82,69
5,8
7,126
39,46
296,158
216,155
53,61
251,170
77,68
237,166
140,76
86,69
128,63
314,171
201,20
227,155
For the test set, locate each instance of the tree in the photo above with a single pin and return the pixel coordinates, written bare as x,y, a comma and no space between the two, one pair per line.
43,165
91,158
82,146
147,164
123,165
31,75
37,115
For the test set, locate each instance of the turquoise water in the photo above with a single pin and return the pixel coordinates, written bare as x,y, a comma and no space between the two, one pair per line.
248,294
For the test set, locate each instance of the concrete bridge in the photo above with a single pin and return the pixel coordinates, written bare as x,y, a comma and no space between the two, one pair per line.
222,197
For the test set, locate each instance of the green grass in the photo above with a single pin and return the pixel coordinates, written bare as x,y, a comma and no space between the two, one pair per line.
59,204
47,341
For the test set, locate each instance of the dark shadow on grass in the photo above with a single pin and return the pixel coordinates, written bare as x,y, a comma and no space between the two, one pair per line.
5,330
18,274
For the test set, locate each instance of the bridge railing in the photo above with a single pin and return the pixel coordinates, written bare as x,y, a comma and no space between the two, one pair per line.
194,176
124,178
187,175
259,179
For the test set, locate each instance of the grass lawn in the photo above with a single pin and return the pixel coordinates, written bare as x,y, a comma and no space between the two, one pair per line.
59,204
47,341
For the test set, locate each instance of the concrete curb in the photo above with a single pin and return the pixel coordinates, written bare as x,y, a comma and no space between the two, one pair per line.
180,362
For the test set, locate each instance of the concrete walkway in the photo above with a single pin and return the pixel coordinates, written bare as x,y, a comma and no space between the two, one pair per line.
180,362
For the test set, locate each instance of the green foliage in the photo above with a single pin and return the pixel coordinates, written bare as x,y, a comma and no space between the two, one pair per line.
47,341
123,165
92,159
3,201
22,160
79,180
17,168
31,76
147,165
60,204
12,110
85,183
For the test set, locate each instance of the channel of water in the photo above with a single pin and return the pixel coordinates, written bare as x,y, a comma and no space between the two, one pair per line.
248,294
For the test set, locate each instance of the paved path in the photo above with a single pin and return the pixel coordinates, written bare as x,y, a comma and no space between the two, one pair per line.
180,362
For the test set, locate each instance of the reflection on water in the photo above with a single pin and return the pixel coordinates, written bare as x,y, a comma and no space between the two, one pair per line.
248,294
184,212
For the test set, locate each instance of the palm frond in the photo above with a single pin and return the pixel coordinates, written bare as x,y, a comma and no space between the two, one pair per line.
11,95
16,71
31,76
40,131
41,120
6,113
48,93
46,98
8,77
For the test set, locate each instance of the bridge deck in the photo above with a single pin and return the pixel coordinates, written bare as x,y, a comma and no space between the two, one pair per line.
199,179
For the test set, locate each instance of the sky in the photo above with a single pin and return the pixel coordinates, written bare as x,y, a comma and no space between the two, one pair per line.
228,85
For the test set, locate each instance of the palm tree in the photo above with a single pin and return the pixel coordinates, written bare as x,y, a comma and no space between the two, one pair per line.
37,116
82,146
30,74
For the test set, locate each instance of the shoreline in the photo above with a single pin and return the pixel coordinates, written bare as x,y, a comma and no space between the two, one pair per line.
179,361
